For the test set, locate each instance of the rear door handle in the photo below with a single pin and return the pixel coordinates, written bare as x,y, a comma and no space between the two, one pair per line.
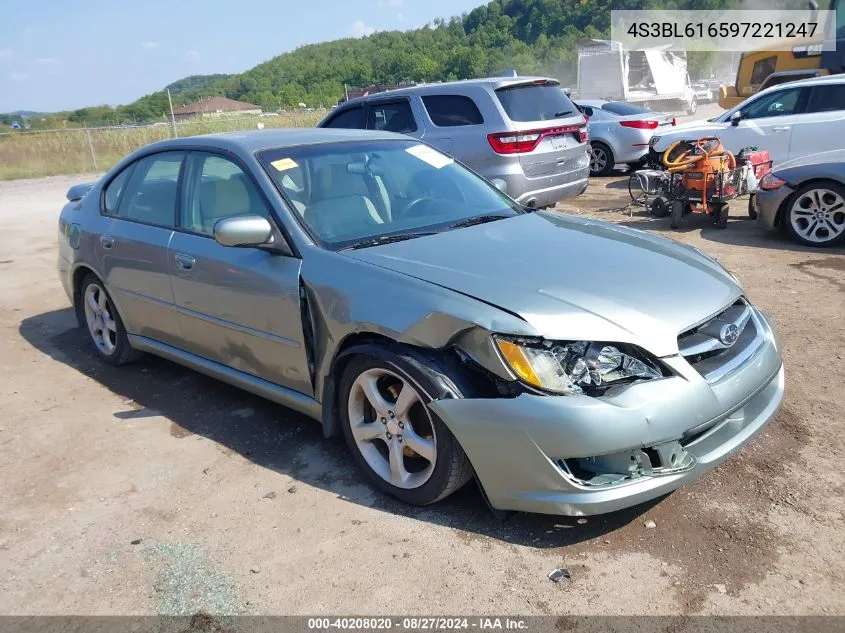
782,128
106,242
185,262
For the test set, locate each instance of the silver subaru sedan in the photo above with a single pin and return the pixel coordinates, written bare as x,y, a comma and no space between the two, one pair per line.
378,286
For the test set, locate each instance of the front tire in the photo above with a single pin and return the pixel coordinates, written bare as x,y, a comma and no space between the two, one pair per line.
692,107
103,323
601,159
402,448
815,214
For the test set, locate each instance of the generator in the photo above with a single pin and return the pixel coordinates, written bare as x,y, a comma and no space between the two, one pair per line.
700,176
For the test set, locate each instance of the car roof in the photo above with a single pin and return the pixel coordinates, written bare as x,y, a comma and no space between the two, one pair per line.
258,140
594,103
811,81
494,83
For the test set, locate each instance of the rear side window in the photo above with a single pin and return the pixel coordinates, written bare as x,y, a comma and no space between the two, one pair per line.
392,117
352,119
150,195
535,102
827,98
452,110
111,198
624,109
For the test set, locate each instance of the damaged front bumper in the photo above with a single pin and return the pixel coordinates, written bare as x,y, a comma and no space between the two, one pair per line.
577,455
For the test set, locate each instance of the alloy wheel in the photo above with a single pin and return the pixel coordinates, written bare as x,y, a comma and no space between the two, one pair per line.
598,159
818,215
100,319
392,428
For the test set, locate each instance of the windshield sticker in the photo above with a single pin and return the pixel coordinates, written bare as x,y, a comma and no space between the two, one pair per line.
283,164
430,156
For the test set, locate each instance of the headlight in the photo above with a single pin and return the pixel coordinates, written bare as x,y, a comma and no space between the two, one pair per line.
570,368
654,139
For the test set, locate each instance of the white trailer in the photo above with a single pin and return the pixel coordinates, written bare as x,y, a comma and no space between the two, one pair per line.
654,78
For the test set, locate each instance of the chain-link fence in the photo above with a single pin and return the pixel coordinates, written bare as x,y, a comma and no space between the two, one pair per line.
34,153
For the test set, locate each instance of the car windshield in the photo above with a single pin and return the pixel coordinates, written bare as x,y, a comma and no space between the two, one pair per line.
361,193
624,109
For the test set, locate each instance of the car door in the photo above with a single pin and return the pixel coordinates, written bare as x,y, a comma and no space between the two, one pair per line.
139,205
237,306
822,126
768,122
456,126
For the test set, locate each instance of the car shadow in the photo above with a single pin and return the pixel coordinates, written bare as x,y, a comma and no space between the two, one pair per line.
281,440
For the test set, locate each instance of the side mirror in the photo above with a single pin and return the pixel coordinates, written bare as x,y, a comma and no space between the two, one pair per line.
736,117
244,230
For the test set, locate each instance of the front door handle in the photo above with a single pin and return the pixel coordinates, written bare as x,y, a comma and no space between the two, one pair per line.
106,242
782,128
185,262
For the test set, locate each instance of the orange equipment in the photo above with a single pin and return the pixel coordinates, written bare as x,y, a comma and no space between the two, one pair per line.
700,165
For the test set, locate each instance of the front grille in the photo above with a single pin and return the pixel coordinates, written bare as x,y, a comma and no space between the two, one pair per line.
723,343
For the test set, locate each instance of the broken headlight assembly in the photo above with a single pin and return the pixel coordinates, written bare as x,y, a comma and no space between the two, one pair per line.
576,367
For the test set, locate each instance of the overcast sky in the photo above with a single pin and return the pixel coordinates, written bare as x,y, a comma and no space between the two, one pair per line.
60,55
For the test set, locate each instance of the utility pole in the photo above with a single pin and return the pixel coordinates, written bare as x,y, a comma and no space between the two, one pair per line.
172,116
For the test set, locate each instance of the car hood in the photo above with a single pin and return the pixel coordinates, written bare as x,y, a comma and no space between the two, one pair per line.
822,158
571,278
688,130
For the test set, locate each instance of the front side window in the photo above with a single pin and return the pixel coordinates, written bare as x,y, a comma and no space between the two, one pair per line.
778,103
351,119
392,117
452,110
355,192
150,195
216,188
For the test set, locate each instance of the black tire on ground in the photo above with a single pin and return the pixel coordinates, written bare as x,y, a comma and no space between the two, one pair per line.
122,352
721,213
834,218
659,207
451,469
752,206
692,107
599,150
677,214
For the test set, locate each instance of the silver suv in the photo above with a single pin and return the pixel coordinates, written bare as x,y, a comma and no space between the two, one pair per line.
521,133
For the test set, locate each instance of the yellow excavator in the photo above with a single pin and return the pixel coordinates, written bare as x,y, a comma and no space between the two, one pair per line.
763,68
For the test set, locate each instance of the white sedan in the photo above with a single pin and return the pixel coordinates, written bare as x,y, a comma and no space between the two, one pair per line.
789,120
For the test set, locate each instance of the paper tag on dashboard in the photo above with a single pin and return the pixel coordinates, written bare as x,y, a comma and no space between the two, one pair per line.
430,156
283,164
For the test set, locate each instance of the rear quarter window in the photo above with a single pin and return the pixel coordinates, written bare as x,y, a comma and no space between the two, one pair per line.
535,102
452,110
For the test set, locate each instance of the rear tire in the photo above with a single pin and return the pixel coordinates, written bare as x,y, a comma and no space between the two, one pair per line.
402,449
601,159
677,214
97,312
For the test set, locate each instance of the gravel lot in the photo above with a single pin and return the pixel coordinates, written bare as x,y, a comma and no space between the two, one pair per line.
151,489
